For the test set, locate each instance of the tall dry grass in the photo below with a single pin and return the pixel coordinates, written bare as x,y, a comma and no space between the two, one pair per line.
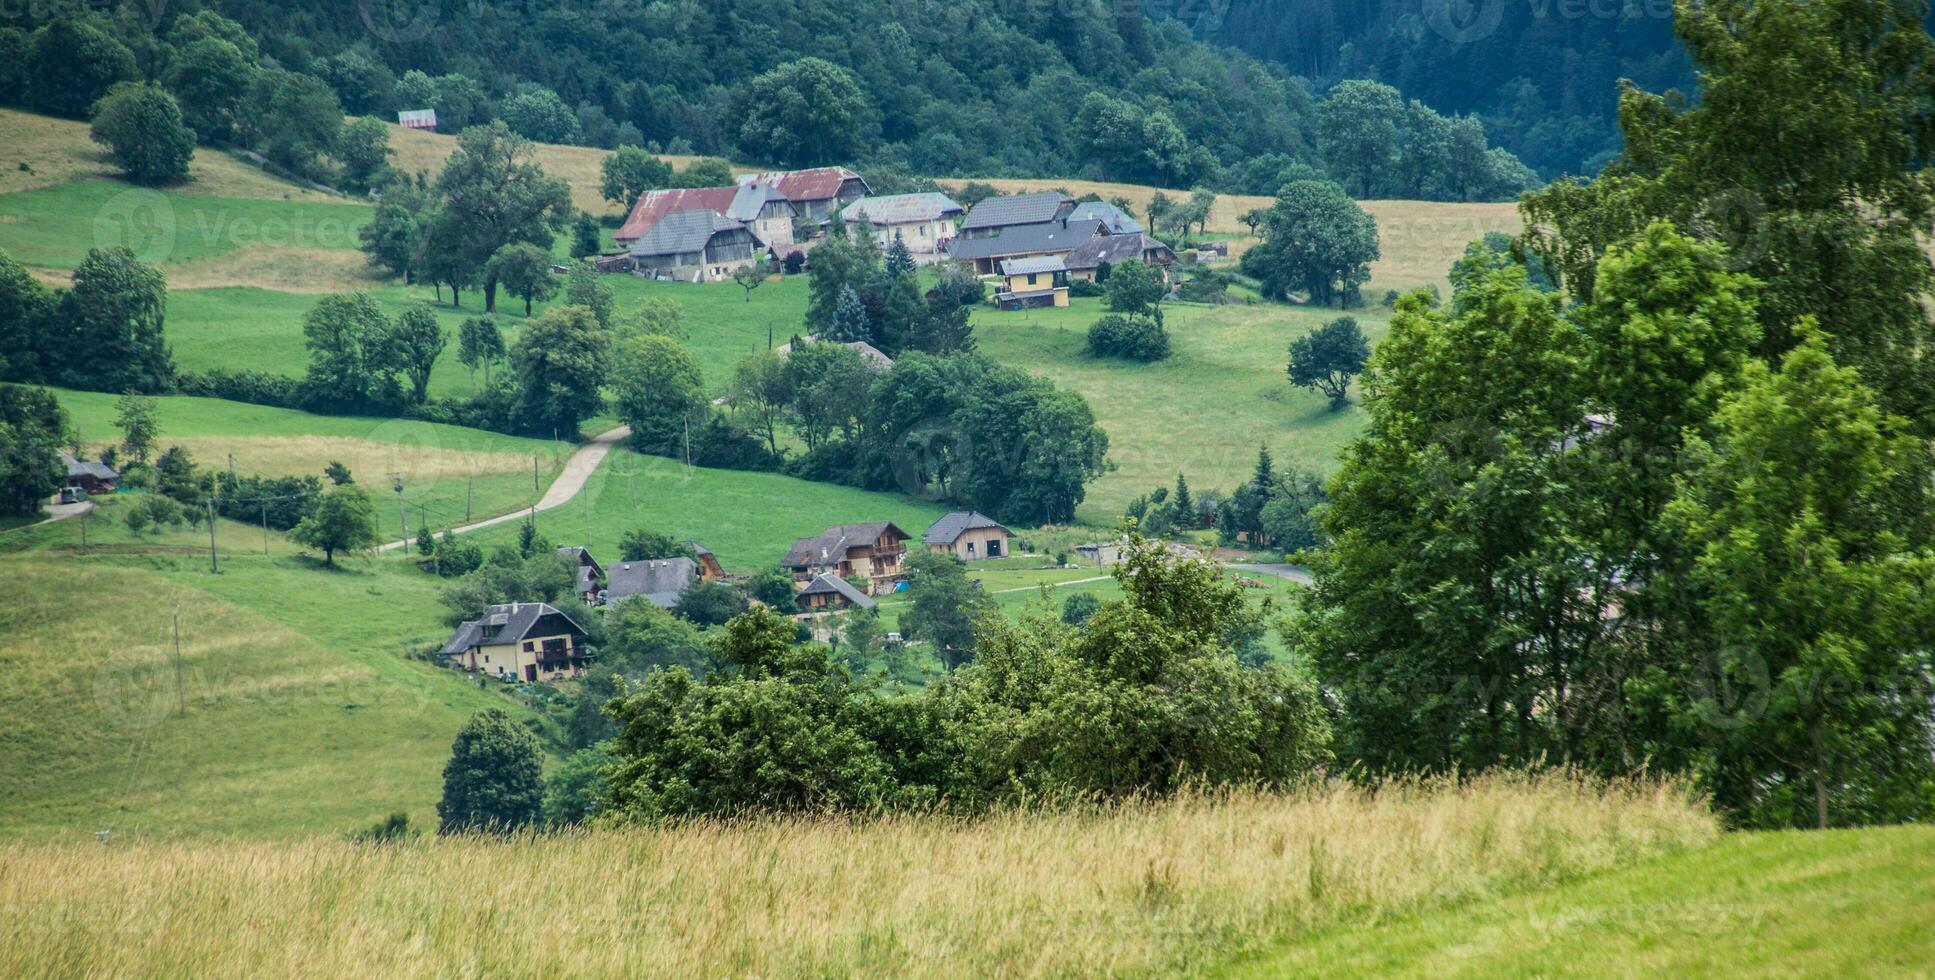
1168,886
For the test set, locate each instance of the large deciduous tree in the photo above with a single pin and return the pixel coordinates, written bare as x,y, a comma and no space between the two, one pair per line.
417,339
562,359
1328,358
494,194
142,129
112,325
72,64
658,391
629,172
1315,238
804,113
344,520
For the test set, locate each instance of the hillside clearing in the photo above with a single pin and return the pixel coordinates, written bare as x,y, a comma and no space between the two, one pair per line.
1818,904
56,151
1144,888
580,166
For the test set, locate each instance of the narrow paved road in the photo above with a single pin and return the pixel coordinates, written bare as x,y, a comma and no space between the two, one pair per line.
1294,573
583,462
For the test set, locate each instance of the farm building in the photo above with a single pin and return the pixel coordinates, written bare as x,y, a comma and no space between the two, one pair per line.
659,580
992,216
875,551
830,593
1085,260
814,193
709,570
90,475
1021,241
520,641
1038,280
1114,220
587,576
923,222
693,246
968,535
870,355
417,119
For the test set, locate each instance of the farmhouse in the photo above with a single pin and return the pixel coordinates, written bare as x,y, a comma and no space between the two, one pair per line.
520,641
659,580
1038,280
993,215
709,570
1085,260
1114,220
587,576
830,593
814,193
91,475
1021,241
693,246
876,551
968,535
922,222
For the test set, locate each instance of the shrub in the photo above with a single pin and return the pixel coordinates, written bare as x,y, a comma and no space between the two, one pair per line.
1083,288
1136,338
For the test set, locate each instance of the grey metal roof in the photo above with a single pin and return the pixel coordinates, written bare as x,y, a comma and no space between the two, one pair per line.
896,209
660,580
1033,263
751,198
836,585
1115,250
1016,209
870,355
681,232
832,544
1052,236
509,623
1113,218
467,635
950,527
92,467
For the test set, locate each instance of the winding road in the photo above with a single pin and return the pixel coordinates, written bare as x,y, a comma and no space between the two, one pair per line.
578,469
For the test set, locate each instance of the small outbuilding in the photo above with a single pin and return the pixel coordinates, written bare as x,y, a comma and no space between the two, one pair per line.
90,475
968,535
830,593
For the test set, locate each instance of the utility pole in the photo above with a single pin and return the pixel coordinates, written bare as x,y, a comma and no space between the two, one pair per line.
534,473
402,510
468,480
265,525
214,564
231,468
84,530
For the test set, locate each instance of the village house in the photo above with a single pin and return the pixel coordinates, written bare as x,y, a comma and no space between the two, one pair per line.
659,580
875,551
1084,261
91,476
693,246
830,593
1022,241
587,576
1114,220
814,193
1038,280
520,641
922,222
994,215
967,535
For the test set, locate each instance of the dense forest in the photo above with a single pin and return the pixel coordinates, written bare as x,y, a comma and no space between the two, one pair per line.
1541,74
974,88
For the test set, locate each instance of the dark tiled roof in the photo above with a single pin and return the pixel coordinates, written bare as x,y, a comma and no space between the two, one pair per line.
1053,236
835,585
92,467
509,623
899,209
832,545
950,527
681,232
660,580
1016,209
1115,250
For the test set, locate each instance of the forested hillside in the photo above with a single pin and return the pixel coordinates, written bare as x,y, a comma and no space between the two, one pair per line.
973,88
1541,75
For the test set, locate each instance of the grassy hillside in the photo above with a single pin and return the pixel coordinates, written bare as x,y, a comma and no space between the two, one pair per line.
439,464
747,519
41,151
1143,889
281,718
1832,904
578,165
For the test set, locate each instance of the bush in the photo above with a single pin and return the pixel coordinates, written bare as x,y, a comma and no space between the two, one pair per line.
1136,338
1085,288
253,387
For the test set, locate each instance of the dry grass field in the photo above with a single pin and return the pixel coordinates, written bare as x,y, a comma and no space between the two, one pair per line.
578,165
56,151
1180,885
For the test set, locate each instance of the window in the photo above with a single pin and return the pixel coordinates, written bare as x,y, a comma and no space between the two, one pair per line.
1031,278
923,231
529,646
970,549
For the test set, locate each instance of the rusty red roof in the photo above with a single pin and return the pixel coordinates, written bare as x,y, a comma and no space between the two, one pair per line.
816,184
653,205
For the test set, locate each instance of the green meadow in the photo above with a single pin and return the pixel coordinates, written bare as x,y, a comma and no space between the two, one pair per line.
53,227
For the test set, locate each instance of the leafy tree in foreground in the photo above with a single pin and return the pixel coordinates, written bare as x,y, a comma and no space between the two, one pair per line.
562,359
1135,287
494,781
1327,358
943,606
33,427
495,194
1813,602
657,390
1315,238
351,354
113,318
345,520
142,129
